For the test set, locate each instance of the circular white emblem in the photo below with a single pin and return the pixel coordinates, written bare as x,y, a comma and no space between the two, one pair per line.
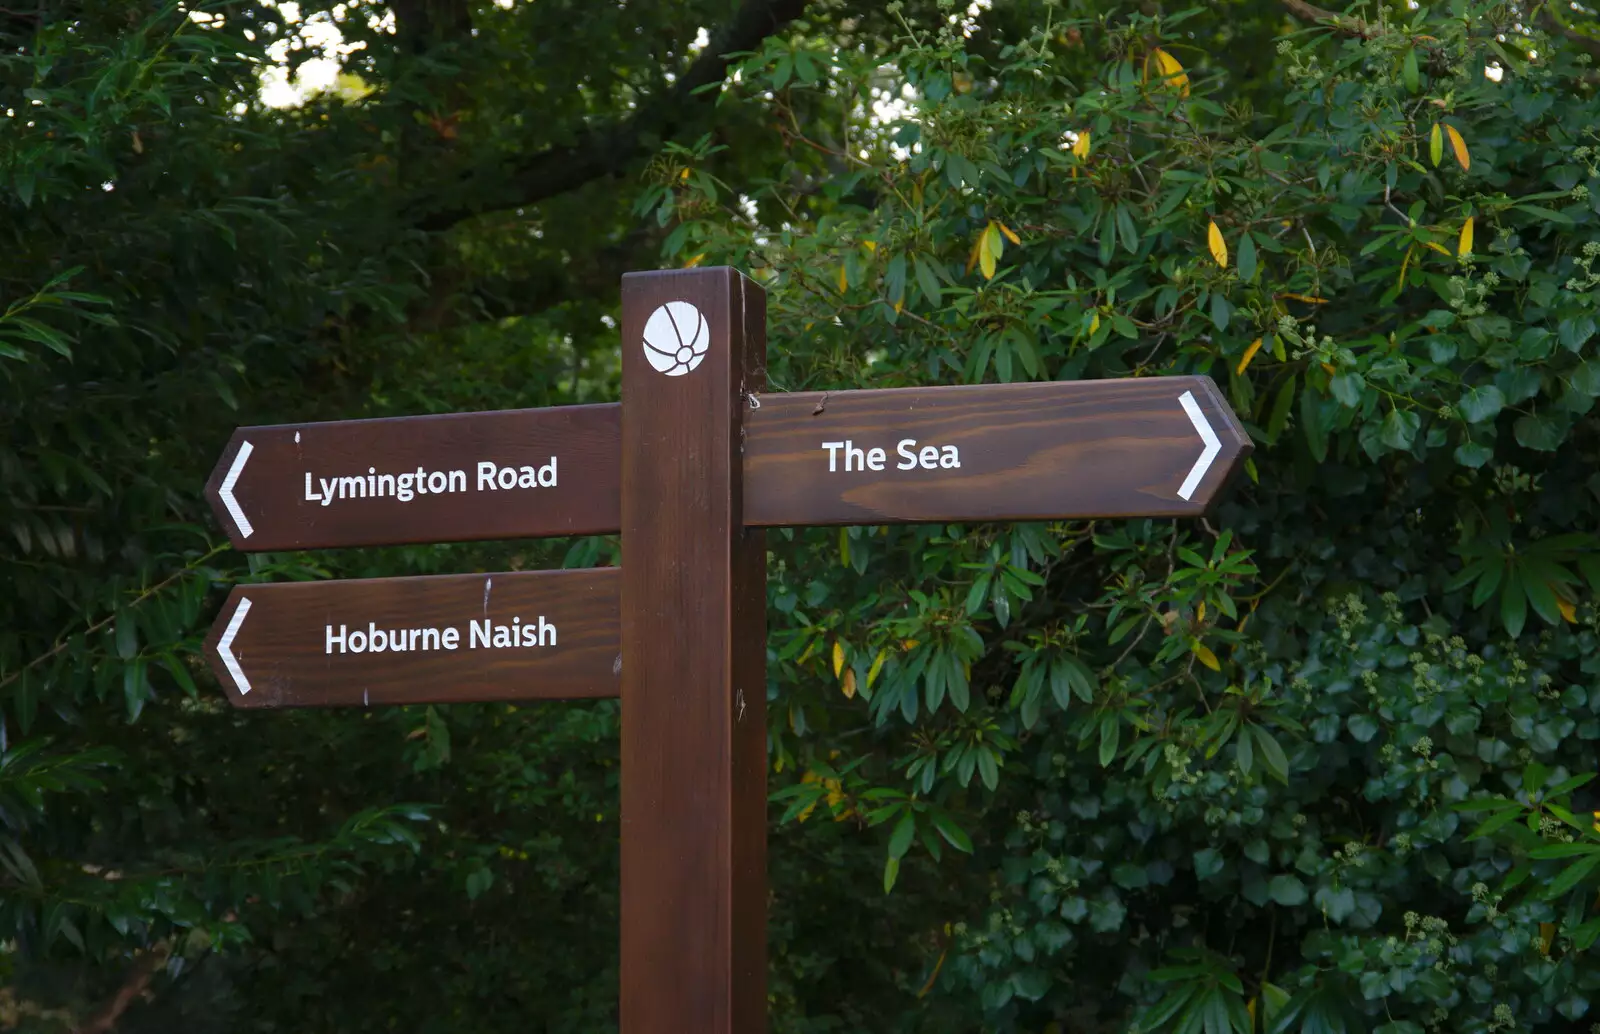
676,338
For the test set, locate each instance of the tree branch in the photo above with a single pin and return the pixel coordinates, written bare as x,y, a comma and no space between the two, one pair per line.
607,150
1343,22
1552,23
133,986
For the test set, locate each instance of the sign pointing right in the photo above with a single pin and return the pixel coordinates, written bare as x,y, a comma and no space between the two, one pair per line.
1137,447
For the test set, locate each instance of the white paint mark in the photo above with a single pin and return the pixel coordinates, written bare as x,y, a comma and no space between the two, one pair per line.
741,705
365,700
297,437
616,665
224,646
1207,435
676,338
487,583
226,491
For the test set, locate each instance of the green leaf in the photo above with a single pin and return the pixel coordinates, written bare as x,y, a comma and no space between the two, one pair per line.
1409,72
1271,753
900,839
1481,403
1348,388
1539,431
952,833
1400,429
1287,890
891,872
1247,257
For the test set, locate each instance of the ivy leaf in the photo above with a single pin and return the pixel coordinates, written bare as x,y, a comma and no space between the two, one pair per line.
1481,403
1400,429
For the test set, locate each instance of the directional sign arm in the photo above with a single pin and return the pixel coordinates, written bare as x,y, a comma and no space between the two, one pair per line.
1131,447
525,635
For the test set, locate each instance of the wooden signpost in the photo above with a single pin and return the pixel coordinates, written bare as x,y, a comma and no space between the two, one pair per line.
692,464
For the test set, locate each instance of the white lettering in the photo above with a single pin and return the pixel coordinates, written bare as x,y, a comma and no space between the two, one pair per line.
949,457
904,449
928,456
358,641
527,477
549,468
476,634
485,476
311,495
833,454
875,459
451,638
438,482
335,639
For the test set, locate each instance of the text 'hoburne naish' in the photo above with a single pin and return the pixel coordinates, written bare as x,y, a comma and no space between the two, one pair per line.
407,485
484,634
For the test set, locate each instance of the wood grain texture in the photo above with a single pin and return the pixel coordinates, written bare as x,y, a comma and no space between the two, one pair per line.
1106,448
271,489
282,649
693,673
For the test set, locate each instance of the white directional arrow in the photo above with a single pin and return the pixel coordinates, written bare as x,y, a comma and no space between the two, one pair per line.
225,644
226,492
1207,435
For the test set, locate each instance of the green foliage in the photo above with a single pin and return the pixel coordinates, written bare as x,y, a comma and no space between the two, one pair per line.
1308,765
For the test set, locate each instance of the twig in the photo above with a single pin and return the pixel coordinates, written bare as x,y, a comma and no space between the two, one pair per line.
103,622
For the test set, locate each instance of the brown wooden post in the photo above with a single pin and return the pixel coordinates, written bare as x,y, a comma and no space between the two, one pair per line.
693,659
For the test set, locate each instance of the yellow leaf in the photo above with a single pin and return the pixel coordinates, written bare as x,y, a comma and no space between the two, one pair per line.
1094,324
1200,614
899,305
683,175
1569,613
1440,248
838,657
972,256
1459,146
1309,299
1436,145
877,665
694,261
849,686
908,644
871,246
1465,247
844,281
990,247
1013,238
1172,71
1205,656
1249,354
1329,368
1547,934
1080,146
1219,247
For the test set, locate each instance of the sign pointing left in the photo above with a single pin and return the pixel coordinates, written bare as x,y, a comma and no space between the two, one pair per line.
512,636
519,473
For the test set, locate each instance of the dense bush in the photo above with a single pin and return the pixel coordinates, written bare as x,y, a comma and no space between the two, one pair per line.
1314,764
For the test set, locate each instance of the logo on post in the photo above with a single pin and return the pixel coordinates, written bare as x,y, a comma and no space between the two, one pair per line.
676,338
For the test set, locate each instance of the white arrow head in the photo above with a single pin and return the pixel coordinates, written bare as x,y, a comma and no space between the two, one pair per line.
225,644
1207,435
226,491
